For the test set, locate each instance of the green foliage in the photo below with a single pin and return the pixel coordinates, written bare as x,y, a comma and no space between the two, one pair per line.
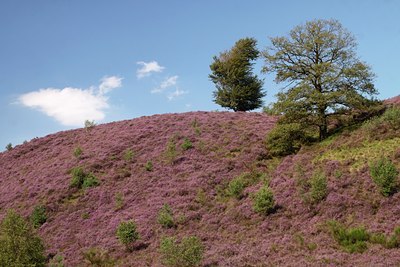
57,261
9,147
324,77
187,253
171,152
237,87
187,144
392,117
285,139
263,201
236,187
98,257
351,239
78,152
166,217
127,233
318,187
128,155
384,174
81,179
149,166
19,244
89,125
119,201
38,216
389,242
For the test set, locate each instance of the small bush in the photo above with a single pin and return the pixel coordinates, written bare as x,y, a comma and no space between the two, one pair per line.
119,201
98,257
9,147
166,217
57,261
170,152
392,117
187,253
384,174
78,152
149,166
127,233
128,155
19,244
351,239
264,201
187,144
81,179
236,187
38,216
318,187
89,125
285,139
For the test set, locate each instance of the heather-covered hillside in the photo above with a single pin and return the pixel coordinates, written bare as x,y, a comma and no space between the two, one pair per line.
188,162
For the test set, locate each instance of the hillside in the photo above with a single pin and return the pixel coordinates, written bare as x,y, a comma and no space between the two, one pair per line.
193,181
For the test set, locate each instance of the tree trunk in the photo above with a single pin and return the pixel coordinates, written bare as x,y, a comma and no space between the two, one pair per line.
323,127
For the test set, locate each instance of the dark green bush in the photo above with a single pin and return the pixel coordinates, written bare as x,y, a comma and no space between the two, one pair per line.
81,179
19,244
318,187
38,216
127,233
285,139
187,253
236,187
166,217
263,201
384,174
351,239
9,147
149,166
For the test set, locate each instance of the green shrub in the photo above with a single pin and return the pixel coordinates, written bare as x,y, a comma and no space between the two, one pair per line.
57,261
285,139
81,179
89,125
127,233
236,187
166,217
187,144
318,187
9,147
187,253
149,166
128,155
392,117
19,244
384,174
38,216
98,257
170,152
78,152
351,239
263,201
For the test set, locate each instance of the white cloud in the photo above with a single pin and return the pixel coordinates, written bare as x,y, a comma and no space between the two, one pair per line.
168,82
177,93
148,68
109,83
72,106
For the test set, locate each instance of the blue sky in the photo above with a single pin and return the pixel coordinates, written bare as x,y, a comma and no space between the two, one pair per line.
62,62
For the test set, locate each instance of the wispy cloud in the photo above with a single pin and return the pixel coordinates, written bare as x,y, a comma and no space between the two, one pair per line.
177,93
168,82
147,68
72,106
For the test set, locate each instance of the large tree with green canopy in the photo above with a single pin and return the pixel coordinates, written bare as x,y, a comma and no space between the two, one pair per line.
321,73
237,87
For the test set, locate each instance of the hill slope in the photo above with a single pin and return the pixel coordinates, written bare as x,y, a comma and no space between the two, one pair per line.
193,182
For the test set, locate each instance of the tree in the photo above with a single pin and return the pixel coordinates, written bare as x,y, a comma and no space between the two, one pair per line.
19,244
237,87
323,76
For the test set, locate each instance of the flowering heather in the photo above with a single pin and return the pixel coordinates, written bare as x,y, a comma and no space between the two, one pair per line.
225,145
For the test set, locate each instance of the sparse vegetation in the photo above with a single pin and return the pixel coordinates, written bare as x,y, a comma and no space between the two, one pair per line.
351,239
38,216
57,261
187,144
187,253
19,244
78,152
171,152
119,201
98,257
127,233
264,202
89,125
166,217
9,147
385,176
149,166
128,155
